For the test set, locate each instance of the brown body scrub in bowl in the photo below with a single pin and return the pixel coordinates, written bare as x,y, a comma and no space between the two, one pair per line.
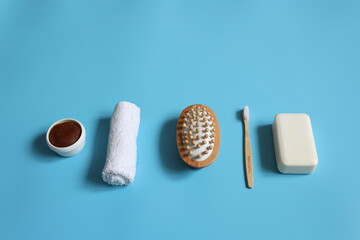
64,134
66,137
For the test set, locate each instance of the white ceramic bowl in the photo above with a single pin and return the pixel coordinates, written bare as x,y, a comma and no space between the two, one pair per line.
72,149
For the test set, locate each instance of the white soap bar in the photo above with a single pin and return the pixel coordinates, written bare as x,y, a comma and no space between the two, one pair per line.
294,143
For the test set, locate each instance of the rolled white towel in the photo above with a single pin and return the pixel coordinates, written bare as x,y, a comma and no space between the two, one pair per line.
120,165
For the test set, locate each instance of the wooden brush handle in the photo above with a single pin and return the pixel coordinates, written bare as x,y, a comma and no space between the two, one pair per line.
248,157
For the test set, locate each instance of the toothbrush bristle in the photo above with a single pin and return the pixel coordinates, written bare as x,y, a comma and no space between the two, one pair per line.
246,113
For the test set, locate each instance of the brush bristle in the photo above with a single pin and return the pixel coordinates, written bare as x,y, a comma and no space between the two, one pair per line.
198,133
246,113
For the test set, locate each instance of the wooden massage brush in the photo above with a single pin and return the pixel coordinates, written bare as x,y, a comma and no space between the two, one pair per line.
198,136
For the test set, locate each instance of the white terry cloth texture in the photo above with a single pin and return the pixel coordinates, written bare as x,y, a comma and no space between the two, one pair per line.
120,165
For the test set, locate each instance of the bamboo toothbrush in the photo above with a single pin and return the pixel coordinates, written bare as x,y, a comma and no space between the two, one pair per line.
248,157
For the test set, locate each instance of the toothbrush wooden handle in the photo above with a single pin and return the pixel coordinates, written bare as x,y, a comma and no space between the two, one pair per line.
248,158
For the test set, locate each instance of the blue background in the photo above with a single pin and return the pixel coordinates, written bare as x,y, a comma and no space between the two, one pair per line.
77,59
